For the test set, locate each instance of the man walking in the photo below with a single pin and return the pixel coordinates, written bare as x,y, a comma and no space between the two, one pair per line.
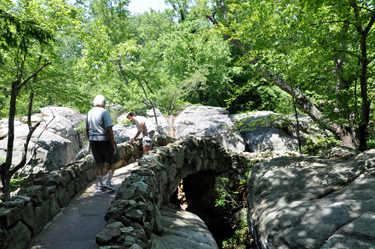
102,143
145,127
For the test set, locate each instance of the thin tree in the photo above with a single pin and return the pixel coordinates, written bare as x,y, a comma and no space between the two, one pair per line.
26,34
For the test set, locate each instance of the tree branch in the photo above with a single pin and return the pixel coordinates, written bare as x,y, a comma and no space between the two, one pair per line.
37,139
153,107
213,20
329,22
33,75
24,153
371,22
347,52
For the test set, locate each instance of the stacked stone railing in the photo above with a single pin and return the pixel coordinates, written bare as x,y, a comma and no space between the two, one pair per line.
25,215
134,214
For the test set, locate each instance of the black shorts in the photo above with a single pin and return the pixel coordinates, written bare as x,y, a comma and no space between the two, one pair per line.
101,152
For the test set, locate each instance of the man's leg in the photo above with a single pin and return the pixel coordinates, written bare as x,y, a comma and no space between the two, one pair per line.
108,184
147,141
111,171
113,159
99,173
145,149
99,160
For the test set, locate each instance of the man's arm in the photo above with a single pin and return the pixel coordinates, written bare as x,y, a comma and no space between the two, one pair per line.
111,138
132,139
87,134
144,128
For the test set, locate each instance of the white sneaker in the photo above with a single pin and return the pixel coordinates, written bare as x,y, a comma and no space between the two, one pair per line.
109,186
100,190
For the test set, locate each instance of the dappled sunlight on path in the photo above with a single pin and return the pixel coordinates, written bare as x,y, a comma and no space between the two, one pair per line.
77,224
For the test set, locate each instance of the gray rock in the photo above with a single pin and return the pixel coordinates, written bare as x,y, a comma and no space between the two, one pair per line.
75,117
253,115
52,151
105,235
182,229
135,246
4,127
9,216
3,239
164,126
19,236
65,128
27,216
262,134
158,225
337,152
54,206
269,131
306,202
42,216
129,241
206,121
66,123
83,152
117,224
269,139
124,133
357,234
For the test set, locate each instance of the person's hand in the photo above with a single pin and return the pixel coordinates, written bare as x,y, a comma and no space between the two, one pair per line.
114,149
132,139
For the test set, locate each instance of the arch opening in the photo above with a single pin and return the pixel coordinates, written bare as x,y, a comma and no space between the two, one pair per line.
197,193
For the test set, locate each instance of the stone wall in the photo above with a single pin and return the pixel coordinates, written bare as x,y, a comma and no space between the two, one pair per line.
25,215
134,214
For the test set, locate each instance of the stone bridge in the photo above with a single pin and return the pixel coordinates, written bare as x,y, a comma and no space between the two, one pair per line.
135,214
202,165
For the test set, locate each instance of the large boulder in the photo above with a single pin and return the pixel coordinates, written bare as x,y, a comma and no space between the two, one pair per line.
182,229
268,131
124,133
308,202
59,137
261,134
51,150
206,121
164,126
269,139
75,117
66,123
4,127
64,128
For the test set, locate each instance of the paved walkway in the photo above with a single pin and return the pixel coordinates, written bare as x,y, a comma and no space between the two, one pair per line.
76,226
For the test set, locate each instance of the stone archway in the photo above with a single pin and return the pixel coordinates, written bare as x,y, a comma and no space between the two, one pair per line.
160,172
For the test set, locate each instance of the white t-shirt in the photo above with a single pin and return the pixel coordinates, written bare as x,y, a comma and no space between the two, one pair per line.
149,125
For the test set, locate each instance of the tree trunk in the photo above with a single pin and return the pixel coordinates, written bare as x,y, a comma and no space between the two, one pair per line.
365,109
345,134
5,172
5,167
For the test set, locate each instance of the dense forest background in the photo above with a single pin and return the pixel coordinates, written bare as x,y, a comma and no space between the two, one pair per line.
316,56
